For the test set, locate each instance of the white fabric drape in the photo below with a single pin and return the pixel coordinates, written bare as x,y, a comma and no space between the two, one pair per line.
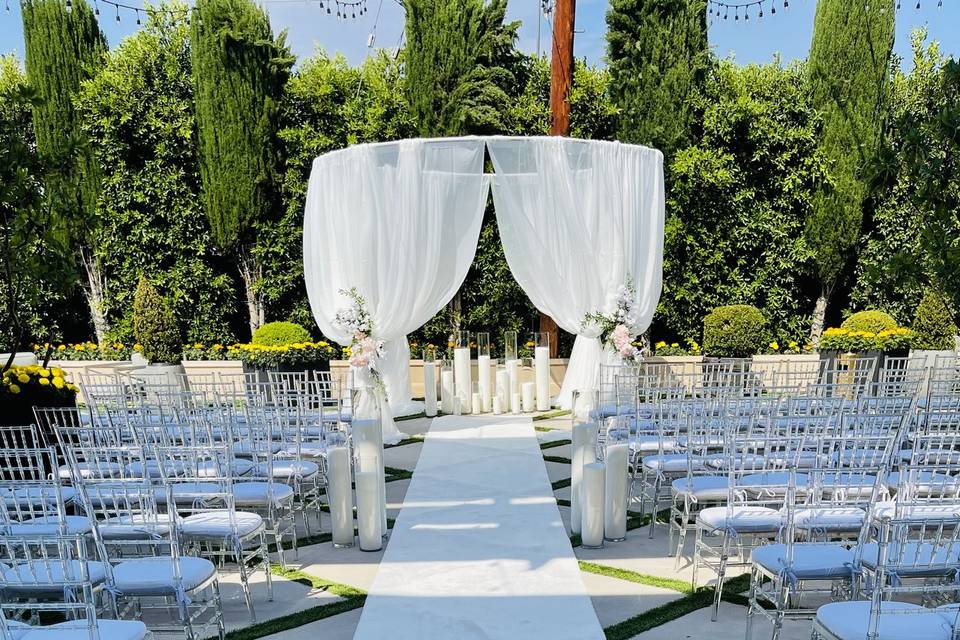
400,222
576,219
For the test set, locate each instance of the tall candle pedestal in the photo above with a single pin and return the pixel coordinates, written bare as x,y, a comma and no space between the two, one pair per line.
503,390
368,513
615,492
368,446
541,364
429,389
462,377
582,452
341,497
592,498
447,391
513,372
483,375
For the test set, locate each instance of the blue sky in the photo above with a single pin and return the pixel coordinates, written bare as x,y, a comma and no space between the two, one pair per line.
786,34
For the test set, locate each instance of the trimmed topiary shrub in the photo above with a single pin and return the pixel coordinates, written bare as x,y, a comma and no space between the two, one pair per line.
155,326
872,320
281,333
734,331
933,323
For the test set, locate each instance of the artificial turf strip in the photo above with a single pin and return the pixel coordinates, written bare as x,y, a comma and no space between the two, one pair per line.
554,443
413,417
560,484
559,459
394,473
672,584
404,442
551,414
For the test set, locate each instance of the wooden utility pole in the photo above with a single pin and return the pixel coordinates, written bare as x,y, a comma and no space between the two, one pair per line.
561,80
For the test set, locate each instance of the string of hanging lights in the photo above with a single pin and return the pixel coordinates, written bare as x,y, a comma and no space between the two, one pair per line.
345,9
745,8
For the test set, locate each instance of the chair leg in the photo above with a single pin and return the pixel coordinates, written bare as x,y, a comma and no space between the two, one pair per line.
656,505
721,574
218,610
244,580
752,603
185,619
265,555
698,540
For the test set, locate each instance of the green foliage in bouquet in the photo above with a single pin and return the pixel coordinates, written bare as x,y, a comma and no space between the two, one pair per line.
934,323
872,320
154,325
734,331
281,333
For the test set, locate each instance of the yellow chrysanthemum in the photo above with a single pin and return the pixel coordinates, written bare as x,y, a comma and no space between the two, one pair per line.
14,388
62,347
23,378
775,345
44,382
57,371
59,382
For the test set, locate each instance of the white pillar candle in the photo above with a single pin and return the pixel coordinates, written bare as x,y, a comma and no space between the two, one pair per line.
476,403
430,389
368,513
513,372
341,496
497,406
541,364
368,445
515,403
462,377
582,442
592,495
447,392
503,389
528,393
483,373
615,492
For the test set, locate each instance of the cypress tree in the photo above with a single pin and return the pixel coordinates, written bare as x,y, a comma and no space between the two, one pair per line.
239,71
849,85
64,46
658,57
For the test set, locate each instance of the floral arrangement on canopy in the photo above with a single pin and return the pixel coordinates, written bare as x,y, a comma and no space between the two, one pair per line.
617,324
364,349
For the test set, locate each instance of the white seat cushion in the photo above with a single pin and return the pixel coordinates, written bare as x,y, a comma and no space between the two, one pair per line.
154,576
669,463
217,469
244,449
255,494
91,470
288,469
915,559
132,527
34,496
46,578
771,481
77,630
649,443
45,526
918,512
187,492
151,469
898,621
851,484
742,519
306,450
16,630
829,518
810,561
705,488
216,524
934,484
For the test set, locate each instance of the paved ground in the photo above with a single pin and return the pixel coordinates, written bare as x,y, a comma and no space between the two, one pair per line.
614,599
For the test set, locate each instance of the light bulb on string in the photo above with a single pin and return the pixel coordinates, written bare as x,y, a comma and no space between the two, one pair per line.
138,15
69,6
736,14
786,4
118,12
918,5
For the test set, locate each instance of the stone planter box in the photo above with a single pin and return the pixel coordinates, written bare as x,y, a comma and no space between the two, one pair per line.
558,369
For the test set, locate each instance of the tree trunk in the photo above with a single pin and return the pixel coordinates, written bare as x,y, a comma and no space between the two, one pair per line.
251,272
454,314
93,291
819,315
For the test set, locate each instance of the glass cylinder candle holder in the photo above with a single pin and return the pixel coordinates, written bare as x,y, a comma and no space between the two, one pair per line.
509,345
461,339
430,353
483,344
540,339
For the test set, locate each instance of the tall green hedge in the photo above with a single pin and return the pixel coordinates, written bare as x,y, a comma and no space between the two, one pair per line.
734,331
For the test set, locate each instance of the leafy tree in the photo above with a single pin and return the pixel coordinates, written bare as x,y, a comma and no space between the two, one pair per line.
154,326
138,112
737,203
659,57
933,323
33,253
849,77
64,46
239,71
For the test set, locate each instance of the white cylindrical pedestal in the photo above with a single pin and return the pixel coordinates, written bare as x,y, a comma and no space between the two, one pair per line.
513,372
368,445
615,492
430,389
368,512
582,452
529,393
592,494
515,403
483,375
541,365
462,377
497,406
341,496
447,392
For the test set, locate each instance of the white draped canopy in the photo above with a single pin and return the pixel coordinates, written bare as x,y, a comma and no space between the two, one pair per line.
400,222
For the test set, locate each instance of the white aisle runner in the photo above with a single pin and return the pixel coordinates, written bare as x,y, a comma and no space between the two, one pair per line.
479,550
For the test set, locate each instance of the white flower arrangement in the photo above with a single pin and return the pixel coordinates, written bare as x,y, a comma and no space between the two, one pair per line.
617,324
365,349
